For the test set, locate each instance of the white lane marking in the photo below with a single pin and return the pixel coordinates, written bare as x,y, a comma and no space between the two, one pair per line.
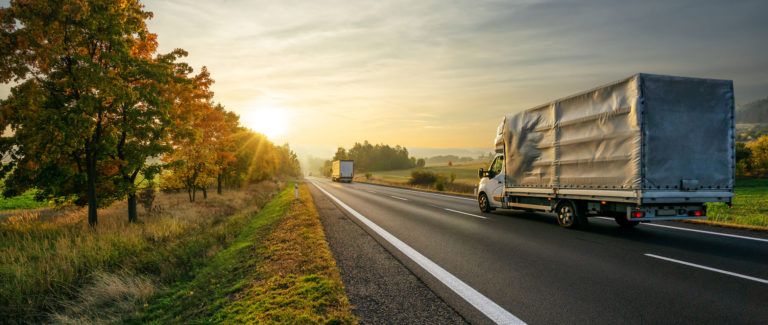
700,231
399,198
422,192
496,313
369,191
469,214
708,268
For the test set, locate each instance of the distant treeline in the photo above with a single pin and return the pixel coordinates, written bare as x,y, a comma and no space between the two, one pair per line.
370,157
444,159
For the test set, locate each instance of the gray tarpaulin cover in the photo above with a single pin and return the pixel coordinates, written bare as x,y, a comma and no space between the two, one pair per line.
648,132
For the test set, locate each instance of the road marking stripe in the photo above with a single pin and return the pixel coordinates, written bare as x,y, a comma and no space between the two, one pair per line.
496,313
399,198
708,268
469,214
699,231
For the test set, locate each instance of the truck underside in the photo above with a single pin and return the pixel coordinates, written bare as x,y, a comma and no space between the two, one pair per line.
628,208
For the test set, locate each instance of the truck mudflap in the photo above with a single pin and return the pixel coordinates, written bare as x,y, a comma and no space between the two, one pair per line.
661,213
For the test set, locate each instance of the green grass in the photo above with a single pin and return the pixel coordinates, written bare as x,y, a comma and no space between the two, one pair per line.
750,205
24,201
278,270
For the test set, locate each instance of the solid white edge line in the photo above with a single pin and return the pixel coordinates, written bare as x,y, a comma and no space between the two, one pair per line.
699,231
399,198
462,212
708,268
486,306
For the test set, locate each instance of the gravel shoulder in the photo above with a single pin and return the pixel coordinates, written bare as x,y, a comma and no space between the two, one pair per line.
382,290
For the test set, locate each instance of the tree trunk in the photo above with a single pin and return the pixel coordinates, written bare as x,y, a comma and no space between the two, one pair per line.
91,189
132,215
205,192
189,194
219,179
194,191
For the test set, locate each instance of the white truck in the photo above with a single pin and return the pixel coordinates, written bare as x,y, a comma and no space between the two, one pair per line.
343,171
642,149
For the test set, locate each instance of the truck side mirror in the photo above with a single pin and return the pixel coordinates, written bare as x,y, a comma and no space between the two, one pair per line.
480,173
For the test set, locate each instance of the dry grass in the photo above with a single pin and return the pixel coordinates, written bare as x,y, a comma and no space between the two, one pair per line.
107,299
48,260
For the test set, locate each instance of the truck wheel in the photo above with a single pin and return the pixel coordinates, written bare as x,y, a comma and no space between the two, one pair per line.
569,216
485,205
624,223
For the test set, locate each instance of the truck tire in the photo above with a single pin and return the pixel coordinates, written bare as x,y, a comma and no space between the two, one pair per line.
569,215
485,205
624,223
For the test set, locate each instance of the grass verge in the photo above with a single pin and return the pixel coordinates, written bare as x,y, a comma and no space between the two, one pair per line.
278,270
57,269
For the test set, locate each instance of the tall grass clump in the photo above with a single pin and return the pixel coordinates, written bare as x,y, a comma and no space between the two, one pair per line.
47,263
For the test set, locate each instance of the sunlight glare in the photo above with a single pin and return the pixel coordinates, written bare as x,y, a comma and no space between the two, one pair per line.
271,121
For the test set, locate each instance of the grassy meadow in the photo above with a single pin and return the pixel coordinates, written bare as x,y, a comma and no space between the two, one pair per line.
750,206
24,201
464,183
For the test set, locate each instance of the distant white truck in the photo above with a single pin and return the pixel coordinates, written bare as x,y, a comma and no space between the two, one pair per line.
343,171
642,149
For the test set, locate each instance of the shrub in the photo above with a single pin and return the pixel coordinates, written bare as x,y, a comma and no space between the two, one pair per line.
422,177
368,176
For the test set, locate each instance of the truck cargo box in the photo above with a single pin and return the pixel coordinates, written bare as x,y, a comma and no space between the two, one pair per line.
645,139
343,171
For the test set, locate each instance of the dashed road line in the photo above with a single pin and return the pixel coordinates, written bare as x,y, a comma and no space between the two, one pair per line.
699,231
465,213
708,268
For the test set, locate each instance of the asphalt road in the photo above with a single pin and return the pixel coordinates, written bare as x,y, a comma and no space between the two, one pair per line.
515,266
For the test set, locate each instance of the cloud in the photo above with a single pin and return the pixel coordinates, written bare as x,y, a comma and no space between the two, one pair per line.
442,73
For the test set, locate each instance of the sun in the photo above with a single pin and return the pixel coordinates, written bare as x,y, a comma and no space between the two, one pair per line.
271,121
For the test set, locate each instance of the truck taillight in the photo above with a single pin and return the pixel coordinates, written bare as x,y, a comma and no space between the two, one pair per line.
696,213
638,214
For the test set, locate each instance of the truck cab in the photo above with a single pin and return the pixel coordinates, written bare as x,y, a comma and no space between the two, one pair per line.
491,187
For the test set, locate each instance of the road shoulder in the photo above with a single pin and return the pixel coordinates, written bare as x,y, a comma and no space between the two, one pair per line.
381,288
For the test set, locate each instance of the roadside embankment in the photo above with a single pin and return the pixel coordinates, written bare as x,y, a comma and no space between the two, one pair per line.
279,269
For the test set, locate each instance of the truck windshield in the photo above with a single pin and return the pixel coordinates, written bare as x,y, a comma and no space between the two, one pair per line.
497,165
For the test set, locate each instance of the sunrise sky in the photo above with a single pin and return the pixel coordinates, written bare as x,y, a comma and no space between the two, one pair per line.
318,74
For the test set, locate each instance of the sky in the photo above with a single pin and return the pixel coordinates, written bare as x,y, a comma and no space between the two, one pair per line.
441,74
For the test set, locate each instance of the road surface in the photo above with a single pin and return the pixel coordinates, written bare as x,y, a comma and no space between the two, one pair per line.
512,267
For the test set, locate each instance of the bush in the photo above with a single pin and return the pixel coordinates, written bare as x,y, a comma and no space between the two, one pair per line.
422,177
368,176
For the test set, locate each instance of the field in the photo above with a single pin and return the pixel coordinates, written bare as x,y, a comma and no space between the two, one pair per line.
24,201
750,206
465,173
55,269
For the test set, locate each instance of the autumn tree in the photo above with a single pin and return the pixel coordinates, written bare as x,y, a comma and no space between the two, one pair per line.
87,109
759,155
201,138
